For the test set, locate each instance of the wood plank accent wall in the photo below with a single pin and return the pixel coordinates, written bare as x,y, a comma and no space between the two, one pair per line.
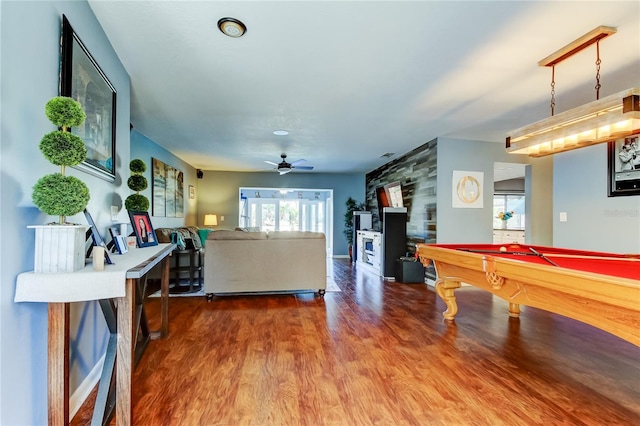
417,173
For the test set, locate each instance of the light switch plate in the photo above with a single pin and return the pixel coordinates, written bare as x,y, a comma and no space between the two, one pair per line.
563,216
114,213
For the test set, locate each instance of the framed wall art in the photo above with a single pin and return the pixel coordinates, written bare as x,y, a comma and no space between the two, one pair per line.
168,190
82,79
624,166
467,189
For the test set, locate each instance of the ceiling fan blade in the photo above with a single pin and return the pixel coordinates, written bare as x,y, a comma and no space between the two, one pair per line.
300,161
284,172
304,167
271,162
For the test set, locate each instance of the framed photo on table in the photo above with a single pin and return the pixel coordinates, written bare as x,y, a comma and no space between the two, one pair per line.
624,166
143,229
118,240
82,79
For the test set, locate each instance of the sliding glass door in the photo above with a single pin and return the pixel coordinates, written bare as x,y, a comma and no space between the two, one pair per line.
286,215
273,209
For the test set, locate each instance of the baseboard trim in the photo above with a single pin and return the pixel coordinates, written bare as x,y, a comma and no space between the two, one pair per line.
340,256
83,391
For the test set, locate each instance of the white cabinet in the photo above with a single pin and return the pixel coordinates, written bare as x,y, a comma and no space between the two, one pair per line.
508,236
369,250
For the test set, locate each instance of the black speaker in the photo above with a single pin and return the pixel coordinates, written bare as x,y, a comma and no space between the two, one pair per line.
199,173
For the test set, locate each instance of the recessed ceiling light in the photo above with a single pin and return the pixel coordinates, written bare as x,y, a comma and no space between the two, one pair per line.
232,27
280,132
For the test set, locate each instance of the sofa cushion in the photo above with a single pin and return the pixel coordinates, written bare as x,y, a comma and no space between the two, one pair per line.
236,235
163,235
294,235
248,228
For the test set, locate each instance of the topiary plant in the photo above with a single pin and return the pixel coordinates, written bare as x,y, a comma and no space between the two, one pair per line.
57,194
136,182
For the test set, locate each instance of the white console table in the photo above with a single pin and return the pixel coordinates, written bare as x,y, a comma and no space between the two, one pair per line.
117,283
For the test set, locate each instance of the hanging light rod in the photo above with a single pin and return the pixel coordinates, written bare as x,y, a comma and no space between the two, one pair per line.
604,120
610,118
577,45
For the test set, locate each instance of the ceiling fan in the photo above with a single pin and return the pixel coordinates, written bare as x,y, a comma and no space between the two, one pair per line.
283,167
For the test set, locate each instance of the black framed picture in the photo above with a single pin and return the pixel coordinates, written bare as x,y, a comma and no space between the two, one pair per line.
82,79
624,166
97,238
143,229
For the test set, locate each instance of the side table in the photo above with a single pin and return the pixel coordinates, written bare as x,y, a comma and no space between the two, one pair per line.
194,256
117,290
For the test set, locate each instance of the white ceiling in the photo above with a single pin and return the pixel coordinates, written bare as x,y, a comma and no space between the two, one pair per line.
506,171
352,80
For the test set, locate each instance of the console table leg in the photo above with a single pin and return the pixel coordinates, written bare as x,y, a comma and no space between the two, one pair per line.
105,399
58,372
164,299
124,358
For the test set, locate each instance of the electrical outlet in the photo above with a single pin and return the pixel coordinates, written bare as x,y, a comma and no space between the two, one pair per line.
563,216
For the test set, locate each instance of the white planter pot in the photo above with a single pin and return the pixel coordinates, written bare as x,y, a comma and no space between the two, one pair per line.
59,248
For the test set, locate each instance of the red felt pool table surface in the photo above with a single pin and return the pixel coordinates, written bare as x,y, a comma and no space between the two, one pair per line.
619,265
598,288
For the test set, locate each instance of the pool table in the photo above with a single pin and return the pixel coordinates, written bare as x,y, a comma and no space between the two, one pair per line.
600,289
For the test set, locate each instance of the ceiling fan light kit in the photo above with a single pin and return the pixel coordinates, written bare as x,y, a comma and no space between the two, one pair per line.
284,167
610,118
232,27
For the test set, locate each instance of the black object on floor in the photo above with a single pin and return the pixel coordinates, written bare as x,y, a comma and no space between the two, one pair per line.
407,271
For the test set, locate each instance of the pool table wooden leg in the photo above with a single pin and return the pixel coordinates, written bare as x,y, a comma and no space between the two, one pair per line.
445,289
514,310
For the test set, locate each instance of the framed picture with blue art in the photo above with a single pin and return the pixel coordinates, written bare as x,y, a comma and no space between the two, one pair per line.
82,79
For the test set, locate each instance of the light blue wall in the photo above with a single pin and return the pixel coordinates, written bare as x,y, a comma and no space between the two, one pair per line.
218,192
30,59
595,221
463,225
145,149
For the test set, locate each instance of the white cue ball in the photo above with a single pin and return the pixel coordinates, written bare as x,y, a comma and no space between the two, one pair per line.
503,248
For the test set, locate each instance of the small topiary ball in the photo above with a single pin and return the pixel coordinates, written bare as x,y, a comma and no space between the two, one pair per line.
59,195
63,148
137,183
65,112
136,203
137,166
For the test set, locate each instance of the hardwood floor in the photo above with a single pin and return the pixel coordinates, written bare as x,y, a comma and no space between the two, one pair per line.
379,353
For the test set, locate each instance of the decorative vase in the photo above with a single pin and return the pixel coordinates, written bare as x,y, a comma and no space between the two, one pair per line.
59,248
504,224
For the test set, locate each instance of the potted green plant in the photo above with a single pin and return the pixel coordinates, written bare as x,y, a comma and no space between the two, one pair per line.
352,206
137,182
58,194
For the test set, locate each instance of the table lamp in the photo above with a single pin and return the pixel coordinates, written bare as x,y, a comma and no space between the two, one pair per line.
210,220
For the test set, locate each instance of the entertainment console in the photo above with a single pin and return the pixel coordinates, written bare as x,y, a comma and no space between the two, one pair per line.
378,251
369,250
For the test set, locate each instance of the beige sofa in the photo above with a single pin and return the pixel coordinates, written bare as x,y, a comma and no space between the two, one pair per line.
259,262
